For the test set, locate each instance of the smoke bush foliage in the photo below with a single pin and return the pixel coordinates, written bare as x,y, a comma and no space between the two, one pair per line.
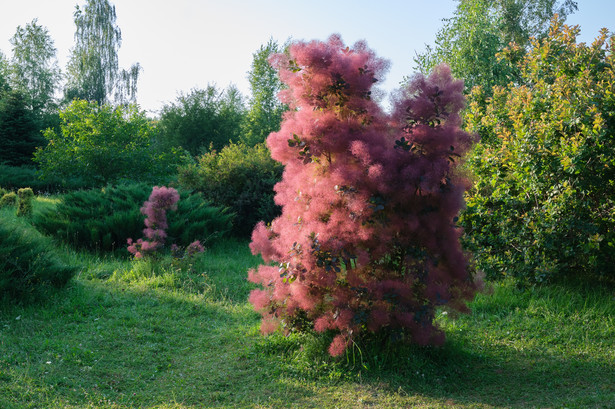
367,241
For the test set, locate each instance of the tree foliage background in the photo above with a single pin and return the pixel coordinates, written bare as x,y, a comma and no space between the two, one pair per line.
202,120
105,144
479,29
543,206
93,71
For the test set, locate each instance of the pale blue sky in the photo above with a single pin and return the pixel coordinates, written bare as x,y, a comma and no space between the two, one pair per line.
182,44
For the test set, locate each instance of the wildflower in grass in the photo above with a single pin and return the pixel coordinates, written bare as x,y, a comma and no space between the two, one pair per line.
194,248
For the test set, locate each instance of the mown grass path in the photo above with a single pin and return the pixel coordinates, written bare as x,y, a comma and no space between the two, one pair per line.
117,339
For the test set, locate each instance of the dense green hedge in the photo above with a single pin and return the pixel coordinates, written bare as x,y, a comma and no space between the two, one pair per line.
543,207
16,177
239,177
103,219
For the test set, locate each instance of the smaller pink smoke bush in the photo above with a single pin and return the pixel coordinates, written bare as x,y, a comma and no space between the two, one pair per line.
155,208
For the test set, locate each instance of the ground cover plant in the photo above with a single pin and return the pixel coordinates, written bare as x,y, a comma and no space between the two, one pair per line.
366,243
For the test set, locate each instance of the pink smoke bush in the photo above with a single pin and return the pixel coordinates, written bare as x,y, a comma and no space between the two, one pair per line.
155,208
367,240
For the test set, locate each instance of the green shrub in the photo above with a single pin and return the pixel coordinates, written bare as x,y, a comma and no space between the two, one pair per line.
106,144
8,199
24,207
29,264
543,207
239,177
103,219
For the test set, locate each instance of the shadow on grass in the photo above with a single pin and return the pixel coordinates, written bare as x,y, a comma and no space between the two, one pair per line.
550,348
530,378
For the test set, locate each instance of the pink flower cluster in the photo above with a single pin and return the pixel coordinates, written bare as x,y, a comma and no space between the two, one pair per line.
155,208
367,240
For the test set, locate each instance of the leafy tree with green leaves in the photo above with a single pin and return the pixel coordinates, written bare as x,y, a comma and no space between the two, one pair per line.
264,108
202,120
479,29
4,73
105,144
93,71
34,68
543,205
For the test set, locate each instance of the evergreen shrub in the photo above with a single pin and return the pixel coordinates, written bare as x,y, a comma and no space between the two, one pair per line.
16,177
24,206
103,219
8,199
29,264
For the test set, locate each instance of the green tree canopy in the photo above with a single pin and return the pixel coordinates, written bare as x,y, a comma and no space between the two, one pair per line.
19,129
543,203
103,144
479,29
34,68
4,73
93,70
264,108
203,118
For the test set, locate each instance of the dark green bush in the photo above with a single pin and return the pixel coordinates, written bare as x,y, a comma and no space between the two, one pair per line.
8,199
543,207
103,219
239,177
29,264
24,207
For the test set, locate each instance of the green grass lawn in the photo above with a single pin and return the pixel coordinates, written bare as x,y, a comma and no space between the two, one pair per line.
124,336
